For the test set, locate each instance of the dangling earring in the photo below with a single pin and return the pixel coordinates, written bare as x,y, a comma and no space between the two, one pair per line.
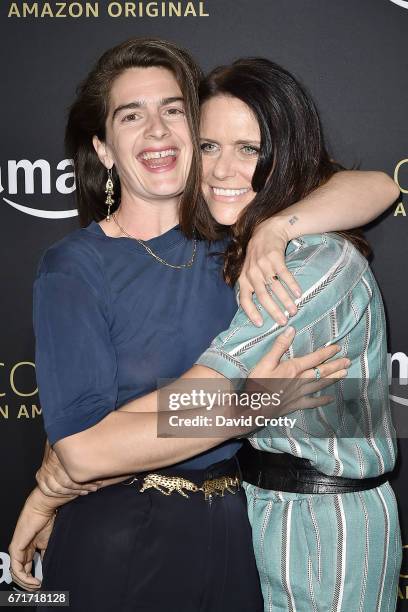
109,193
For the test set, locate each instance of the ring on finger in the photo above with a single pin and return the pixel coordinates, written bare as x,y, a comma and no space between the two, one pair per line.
268,283
317,372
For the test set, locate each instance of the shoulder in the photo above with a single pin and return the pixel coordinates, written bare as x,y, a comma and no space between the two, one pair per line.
317,245
76,255
325,256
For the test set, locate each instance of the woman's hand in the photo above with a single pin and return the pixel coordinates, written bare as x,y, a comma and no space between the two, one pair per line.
265,273
348,199
53,480
32,533
297,376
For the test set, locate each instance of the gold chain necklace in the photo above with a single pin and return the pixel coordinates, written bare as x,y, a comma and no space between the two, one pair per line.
149,250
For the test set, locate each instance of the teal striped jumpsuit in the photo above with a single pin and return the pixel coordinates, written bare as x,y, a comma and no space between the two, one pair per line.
326,552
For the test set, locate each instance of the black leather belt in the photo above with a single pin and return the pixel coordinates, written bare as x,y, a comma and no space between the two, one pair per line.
284,472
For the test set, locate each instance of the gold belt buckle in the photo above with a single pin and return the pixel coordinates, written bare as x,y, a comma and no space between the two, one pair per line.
167,484
218,486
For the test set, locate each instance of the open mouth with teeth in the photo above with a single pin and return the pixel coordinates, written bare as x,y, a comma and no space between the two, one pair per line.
157,161
229,193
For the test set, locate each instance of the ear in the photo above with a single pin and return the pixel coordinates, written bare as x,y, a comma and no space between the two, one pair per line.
102,151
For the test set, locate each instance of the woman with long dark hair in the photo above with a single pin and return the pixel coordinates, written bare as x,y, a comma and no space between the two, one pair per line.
324,517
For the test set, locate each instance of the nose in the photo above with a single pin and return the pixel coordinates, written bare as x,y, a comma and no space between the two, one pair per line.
156,127
224,166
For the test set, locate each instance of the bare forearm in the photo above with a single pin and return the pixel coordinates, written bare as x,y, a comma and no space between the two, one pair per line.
45,503
126,440
124,443
349,199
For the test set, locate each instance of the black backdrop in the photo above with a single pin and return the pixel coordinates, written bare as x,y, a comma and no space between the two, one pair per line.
351,55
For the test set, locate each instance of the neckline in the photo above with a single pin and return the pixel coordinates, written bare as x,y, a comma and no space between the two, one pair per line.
158,244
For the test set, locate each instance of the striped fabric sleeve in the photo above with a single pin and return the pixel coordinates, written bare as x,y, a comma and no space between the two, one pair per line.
327,267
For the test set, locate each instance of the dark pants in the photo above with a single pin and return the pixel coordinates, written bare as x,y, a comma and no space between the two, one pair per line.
119,550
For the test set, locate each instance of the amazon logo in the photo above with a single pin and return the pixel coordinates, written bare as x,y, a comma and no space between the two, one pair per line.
26,177
402,3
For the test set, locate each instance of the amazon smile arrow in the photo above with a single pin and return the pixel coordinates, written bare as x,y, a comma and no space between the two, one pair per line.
44,214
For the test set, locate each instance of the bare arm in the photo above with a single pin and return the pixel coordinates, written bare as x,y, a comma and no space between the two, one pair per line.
127,442
349,199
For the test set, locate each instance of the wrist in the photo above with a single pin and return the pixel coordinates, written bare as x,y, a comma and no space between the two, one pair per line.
286,225
42,504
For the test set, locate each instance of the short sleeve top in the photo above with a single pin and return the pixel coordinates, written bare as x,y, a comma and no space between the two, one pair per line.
341,304
110,320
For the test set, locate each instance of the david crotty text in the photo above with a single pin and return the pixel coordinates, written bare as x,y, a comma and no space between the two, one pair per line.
221,421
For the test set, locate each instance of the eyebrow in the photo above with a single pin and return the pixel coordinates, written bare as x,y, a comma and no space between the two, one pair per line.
243,142
142,103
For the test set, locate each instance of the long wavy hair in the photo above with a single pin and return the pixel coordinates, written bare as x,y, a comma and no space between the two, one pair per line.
88,113
293,159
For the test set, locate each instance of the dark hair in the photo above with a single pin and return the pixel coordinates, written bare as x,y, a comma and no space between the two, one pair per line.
293,159
88,115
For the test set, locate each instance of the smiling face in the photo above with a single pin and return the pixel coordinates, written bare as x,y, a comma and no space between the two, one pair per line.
147,135
230,144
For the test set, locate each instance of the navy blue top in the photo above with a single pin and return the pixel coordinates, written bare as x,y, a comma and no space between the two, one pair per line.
110,320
